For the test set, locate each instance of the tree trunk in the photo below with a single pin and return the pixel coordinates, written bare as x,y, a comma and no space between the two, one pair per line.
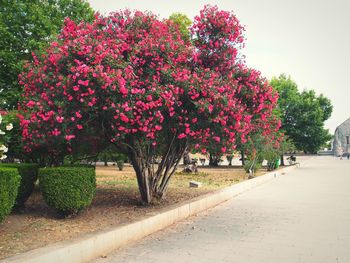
229,159
243,158
142,178
153,180
213,160
186,158
282,160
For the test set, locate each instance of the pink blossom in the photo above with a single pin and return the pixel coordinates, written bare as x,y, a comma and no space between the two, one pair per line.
59,119
83,83
216,138
124,118
122,89
181,136
56,132
69,137
30,104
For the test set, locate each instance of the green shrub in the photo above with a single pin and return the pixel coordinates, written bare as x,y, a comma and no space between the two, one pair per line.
271,166
120,165
255,167
67,189
9,183
29,174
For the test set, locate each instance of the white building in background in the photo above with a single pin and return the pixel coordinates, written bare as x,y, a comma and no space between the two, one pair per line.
341,143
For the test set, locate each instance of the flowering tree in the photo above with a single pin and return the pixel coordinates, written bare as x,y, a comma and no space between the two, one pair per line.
218,37
130,79
258,100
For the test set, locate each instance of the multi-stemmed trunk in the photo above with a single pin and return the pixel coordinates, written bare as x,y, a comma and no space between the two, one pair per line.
153,179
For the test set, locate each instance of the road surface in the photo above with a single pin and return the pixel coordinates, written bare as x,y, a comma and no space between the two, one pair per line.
303,216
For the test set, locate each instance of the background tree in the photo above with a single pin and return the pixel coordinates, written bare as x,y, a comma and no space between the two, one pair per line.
110,154
303,114
28,26
183,23
218,38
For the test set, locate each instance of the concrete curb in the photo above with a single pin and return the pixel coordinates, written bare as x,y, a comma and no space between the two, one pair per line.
94,245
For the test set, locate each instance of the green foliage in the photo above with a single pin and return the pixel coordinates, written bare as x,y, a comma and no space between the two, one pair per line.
326,107
28,26
272,158
110,154
183,23
252,165
271,155
29,174
9,183
258,149
287,146
78,157
303,115
120,165
68,190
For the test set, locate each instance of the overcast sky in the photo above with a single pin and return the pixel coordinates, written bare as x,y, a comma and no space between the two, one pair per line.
306,39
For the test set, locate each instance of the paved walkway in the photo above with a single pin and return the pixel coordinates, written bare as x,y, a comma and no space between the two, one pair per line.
300,217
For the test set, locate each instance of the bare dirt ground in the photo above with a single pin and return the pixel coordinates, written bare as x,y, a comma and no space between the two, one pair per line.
116,202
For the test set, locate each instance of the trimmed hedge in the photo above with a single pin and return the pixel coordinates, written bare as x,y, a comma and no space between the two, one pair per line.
79,165
68,190
29,175
9,183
